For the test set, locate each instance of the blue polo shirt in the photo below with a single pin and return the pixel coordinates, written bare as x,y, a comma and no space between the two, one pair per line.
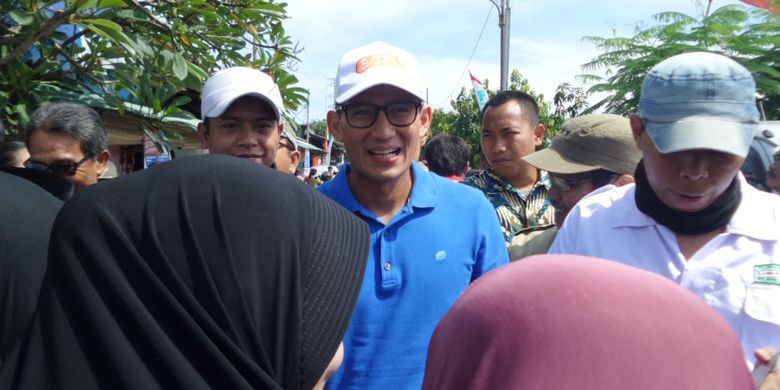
443,239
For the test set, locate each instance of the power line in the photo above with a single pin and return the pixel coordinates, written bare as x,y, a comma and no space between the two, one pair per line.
490,10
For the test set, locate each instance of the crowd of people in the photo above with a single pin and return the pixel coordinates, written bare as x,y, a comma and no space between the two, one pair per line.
640,257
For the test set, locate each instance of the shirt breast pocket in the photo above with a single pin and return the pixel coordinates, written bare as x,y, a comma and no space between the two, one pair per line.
763,303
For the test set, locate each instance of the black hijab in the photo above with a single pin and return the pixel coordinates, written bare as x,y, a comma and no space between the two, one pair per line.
26,216
204,272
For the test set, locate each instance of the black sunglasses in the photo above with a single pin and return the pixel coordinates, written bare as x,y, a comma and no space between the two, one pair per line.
364,115
58,168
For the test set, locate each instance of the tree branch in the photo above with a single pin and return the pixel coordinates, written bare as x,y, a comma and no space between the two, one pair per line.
60,18
154,19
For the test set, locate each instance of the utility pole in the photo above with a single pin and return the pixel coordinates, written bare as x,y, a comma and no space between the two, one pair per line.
308,104
503,24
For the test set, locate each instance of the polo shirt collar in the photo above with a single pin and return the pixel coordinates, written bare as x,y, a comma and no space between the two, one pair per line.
340,190
424,189
753,218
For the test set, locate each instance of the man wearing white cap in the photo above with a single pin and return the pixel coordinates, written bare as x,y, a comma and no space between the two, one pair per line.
430,237
691,216
241,115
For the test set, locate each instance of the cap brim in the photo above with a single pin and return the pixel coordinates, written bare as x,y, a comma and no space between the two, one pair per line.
223,105
362,87
702,133
551,161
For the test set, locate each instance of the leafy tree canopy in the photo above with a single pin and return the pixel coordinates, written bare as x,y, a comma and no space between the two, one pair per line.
750,36
143,52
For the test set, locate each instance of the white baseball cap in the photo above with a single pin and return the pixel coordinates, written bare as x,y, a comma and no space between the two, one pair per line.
377,63
227,85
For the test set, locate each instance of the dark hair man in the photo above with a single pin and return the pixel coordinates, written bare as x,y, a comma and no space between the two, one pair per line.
588,152
13,154
241,115
691,216
430,237
517,190
68,139
448,156
287,156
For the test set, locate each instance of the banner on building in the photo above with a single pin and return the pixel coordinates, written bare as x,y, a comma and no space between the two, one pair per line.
153,155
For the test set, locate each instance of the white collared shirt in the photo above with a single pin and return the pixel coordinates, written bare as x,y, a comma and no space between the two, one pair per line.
737,272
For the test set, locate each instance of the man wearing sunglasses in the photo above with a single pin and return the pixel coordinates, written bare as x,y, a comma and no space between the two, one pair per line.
287,156
68,140
589,152
241,115
430,237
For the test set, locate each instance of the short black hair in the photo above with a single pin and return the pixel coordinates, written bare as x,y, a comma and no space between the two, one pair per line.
447,155
528,104
75,119
8,150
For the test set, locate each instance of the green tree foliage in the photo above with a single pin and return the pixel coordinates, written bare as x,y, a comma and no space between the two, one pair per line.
318,126
464,120
750,36
144,52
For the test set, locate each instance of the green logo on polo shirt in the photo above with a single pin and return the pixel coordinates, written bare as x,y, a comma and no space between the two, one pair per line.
766,274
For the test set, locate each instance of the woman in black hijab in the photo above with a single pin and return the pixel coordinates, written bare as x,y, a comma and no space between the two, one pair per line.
26,216
204,272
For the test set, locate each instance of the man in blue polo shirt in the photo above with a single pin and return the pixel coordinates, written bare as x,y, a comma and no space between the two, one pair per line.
430,237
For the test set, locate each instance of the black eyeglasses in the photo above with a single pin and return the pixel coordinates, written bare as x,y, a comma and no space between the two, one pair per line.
58,168
361,115
565,185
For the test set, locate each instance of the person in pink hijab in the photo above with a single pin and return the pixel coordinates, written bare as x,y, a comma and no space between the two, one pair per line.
574,322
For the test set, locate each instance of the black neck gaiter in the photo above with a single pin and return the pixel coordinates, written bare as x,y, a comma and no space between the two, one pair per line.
711,218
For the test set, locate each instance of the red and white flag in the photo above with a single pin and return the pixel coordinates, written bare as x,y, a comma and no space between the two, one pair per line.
479,91
772,5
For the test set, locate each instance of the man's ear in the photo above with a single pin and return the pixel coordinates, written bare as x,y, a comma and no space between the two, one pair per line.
101,162
295,158
426,118
622,180
538,134
637,128
203,133
334,124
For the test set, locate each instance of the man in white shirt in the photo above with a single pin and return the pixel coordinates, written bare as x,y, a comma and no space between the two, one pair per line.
691,216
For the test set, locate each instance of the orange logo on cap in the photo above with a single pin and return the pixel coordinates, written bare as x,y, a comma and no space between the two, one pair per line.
371,61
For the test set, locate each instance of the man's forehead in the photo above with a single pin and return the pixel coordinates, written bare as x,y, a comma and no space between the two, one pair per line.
251,104
381,94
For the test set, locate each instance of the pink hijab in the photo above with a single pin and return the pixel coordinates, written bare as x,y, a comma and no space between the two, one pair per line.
574,322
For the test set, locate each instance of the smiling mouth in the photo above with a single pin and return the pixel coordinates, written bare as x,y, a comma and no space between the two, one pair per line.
385,154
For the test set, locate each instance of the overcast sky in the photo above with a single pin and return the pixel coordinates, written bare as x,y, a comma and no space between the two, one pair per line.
545,46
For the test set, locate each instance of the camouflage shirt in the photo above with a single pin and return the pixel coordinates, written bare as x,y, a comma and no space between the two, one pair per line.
516,210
